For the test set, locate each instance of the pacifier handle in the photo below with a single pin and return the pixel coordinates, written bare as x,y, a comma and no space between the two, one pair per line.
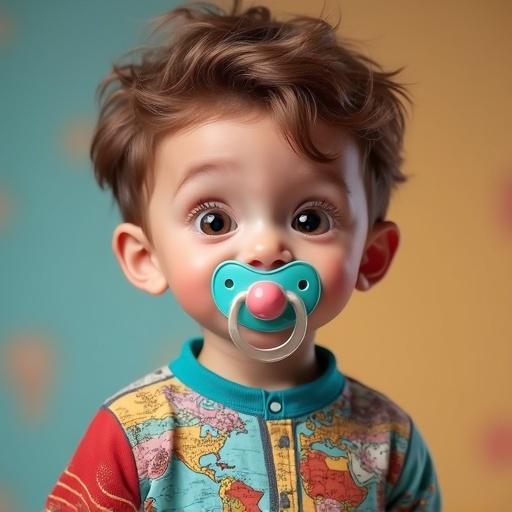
270,355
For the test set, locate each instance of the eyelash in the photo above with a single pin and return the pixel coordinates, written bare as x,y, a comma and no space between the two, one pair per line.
203,206
329,208
209,205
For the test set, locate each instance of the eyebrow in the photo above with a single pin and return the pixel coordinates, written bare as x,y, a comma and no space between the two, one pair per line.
204,168
330,175
333,177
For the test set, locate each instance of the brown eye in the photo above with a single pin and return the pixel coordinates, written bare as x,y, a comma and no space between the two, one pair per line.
311,221
216,223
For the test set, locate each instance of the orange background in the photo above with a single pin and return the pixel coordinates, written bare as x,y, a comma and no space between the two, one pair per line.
435,335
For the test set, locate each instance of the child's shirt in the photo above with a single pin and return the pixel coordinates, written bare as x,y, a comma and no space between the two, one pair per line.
185,439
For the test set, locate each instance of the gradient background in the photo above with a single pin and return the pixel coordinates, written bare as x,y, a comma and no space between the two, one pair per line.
435,335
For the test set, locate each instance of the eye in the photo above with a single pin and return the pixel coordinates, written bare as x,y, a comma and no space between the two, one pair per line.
211,219
214,223
311,221
316,219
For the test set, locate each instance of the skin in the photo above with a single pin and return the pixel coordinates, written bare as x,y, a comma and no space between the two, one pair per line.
257,202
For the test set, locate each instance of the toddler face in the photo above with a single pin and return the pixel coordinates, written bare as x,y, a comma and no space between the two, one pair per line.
234,189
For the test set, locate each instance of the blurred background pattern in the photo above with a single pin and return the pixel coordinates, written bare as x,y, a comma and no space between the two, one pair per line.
435,335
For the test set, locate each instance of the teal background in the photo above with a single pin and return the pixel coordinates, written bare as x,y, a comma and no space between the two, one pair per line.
59,278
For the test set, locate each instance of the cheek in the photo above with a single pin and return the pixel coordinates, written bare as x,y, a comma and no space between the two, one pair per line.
333,274
338,281
191,287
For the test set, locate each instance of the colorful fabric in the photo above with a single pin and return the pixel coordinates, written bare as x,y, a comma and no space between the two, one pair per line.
185,439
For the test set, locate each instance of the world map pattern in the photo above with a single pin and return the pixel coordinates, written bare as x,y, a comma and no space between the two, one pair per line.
193,453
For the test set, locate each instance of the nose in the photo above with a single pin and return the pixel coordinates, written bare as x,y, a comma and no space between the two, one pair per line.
266,250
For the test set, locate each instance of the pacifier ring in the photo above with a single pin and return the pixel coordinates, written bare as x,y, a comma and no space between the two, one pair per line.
270,355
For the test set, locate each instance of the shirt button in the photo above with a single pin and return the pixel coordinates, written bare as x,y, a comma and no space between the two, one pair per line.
275,406
284,501
284,442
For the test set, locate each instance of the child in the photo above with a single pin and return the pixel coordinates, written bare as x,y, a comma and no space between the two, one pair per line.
253,162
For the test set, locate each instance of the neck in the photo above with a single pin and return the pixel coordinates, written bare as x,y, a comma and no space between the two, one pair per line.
221,356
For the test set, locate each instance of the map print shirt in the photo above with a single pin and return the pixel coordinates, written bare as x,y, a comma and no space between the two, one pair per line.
185,439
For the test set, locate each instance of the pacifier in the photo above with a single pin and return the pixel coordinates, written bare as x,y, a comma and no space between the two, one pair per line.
266,301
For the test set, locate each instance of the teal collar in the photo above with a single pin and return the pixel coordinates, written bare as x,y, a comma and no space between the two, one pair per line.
275,404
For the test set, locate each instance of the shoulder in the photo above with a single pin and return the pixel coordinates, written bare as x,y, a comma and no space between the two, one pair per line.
371,407
156,376
379,425
145,401
411,476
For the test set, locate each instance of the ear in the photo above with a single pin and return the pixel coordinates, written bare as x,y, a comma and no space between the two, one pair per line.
381,245
137,258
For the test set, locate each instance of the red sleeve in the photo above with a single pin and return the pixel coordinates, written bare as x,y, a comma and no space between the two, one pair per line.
102,474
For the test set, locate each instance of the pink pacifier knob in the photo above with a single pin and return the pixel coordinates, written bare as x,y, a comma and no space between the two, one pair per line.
266,300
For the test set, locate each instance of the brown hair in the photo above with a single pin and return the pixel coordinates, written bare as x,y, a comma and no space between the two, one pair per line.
213,63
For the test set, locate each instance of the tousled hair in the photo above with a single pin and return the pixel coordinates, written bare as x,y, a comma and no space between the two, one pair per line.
211,63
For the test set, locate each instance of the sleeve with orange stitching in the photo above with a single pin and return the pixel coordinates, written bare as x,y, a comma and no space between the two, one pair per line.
102,475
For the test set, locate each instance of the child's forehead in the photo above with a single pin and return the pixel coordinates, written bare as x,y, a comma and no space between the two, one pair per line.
238,147
248,136
222,168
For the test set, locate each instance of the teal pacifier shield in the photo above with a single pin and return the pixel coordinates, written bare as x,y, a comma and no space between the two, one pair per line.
232,277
